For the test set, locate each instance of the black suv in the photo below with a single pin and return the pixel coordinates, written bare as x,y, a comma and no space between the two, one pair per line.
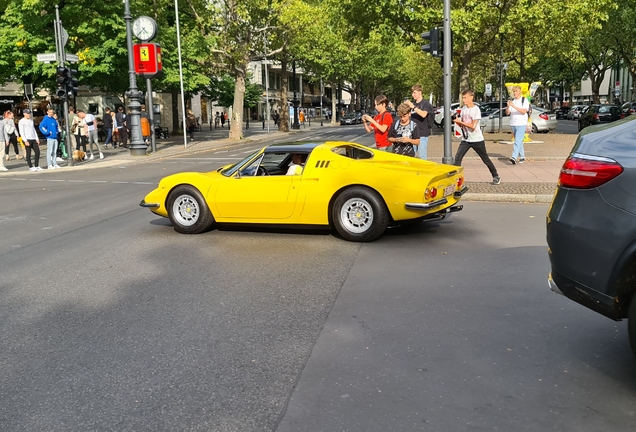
562,112
591,224
595,114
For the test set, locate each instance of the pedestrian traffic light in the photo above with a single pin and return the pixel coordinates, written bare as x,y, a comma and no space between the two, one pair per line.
73,82
62,79
434,47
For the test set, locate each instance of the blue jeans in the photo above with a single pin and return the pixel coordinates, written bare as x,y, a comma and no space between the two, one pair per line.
51,151
519,132
422,149
109,137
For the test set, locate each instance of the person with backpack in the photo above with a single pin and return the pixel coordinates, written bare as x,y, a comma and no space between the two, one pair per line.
380,124
404,134
423,114
472,137
518,110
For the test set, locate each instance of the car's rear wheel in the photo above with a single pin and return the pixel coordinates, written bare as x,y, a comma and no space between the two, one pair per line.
535,129
188,211
359,214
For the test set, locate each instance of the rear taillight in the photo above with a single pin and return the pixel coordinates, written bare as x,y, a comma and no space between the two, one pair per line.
632,111
460,182
430,193
543,116
586,172
596,117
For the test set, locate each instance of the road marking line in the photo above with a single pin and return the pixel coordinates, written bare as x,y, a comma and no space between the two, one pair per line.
99,181
142,183
76,181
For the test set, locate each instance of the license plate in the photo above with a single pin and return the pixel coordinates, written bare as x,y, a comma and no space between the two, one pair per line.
449,190
552,118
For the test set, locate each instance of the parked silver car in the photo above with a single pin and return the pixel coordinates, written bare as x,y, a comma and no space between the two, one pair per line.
542,121
575,112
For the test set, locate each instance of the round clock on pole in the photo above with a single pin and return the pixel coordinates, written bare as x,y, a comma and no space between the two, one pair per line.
144,28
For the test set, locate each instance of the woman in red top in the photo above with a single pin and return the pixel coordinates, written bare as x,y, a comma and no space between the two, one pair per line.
380,124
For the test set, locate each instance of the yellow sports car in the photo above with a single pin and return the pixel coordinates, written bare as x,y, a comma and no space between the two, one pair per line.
354,189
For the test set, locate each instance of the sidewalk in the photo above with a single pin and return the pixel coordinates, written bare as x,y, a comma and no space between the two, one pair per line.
533,181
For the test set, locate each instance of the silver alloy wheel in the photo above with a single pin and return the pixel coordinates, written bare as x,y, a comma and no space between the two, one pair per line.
356,215
185,210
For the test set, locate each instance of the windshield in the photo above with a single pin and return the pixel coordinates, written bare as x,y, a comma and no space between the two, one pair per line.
229,171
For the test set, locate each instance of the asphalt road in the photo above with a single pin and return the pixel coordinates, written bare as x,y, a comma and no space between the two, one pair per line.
113,321
567,127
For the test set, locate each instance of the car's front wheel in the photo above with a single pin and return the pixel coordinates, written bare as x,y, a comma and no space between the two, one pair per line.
359,214
188,211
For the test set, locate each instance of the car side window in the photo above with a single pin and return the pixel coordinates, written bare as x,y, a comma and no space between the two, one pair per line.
352,152
251,169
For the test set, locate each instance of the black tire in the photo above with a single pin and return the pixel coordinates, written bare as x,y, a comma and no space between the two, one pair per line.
188,211
534,128
371,215
631,325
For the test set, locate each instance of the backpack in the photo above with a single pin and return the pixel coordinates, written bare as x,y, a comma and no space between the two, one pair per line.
523,99
411,124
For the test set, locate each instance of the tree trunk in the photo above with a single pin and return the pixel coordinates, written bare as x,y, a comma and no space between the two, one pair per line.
464,77
334,99
175,111
283,124
236,123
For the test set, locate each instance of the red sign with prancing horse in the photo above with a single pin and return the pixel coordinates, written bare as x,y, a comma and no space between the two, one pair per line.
147,59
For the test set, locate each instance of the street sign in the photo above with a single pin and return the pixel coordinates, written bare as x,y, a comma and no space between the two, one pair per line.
47,57
64,36
72,58
617,92
488,89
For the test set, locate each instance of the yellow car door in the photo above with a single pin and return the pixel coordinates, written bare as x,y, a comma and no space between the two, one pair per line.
251,198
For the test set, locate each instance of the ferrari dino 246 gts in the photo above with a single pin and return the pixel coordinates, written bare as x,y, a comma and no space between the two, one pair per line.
356,190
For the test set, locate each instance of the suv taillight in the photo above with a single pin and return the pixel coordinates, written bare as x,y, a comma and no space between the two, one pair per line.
587,172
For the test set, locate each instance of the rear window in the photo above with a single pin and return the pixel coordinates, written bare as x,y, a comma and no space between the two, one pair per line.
352,152
603,109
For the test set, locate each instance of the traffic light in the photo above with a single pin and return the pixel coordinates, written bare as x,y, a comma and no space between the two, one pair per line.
63,75
73,82
434,47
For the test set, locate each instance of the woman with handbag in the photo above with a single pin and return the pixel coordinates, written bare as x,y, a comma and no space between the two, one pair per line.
80,130
11,136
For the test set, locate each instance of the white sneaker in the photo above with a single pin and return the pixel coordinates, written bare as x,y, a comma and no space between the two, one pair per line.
37,168
3,168
56,166
32,169
101,155
91,157
59,160
50,167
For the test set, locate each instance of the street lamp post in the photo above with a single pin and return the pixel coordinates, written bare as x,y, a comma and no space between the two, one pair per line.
137,145
322,92
295,125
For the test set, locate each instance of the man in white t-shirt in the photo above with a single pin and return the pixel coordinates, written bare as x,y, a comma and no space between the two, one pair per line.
517,109
91,124
472,137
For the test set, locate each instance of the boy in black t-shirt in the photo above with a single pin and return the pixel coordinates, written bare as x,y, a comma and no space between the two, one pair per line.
422,113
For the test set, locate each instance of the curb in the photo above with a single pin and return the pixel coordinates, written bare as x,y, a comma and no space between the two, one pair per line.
520,198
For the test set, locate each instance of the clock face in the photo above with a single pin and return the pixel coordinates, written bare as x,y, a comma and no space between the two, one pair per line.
144,28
